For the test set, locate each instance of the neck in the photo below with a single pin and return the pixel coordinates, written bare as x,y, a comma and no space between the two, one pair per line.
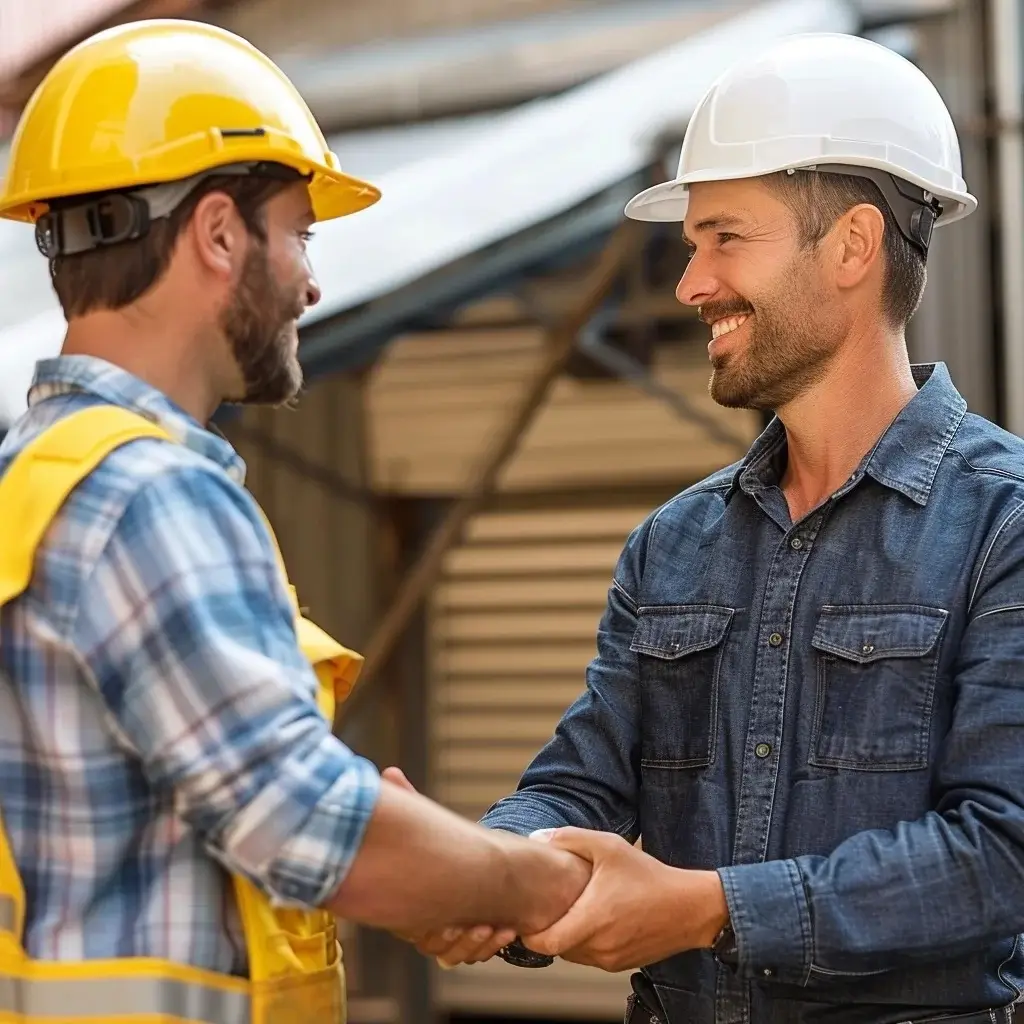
831,427
151,349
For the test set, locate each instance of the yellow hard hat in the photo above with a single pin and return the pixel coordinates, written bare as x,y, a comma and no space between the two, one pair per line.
160,101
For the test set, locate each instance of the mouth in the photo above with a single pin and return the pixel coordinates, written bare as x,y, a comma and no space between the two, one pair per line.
727,325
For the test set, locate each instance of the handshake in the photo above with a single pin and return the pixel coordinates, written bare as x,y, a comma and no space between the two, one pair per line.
586,896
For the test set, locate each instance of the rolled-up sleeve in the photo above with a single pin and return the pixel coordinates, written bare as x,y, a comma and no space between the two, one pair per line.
188,634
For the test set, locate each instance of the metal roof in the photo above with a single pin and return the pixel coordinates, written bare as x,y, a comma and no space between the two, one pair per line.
467,203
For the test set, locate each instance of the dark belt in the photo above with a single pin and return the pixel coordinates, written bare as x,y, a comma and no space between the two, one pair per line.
641,1002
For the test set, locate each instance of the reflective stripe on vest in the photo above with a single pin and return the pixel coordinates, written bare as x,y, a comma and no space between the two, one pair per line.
109,998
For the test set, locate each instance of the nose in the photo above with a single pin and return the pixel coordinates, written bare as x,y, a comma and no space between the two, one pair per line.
313,293
697,284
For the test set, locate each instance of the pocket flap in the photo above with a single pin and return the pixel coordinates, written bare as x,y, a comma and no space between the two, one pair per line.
866,633
674,632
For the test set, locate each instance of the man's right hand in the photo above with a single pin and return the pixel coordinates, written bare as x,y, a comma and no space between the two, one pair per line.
546,889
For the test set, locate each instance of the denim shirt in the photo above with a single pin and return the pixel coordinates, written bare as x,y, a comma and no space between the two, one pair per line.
830,713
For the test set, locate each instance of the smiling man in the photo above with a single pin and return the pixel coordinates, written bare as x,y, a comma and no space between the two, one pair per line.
808,694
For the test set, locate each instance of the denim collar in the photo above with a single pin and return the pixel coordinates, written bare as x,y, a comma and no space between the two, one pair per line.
905,458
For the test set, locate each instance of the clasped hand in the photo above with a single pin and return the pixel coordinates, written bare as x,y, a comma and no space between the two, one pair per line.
634,911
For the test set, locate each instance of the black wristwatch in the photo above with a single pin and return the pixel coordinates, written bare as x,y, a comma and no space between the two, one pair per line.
516,954
724,946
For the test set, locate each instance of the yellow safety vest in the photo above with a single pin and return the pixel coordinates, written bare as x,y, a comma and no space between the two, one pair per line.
295,969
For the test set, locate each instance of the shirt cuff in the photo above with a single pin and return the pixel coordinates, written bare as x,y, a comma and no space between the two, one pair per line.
771,920
505,819
316,831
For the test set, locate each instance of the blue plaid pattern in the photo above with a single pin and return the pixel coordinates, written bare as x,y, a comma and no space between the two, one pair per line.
158,722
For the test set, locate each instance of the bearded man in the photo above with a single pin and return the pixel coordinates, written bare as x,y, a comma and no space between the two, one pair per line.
808,694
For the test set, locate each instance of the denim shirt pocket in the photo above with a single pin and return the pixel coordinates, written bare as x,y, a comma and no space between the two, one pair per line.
877,666
679,650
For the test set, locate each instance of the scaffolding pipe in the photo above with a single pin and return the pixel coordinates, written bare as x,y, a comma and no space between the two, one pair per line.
424,573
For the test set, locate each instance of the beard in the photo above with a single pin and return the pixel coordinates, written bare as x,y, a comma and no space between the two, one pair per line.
259,325
790,346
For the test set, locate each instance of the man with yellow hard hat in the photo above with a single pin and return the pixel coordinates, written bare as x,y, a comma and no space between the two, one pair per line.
179,825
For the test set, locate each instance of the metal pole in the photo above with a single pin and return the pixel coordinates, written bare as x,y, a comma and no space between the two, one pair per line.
424,573
1008,100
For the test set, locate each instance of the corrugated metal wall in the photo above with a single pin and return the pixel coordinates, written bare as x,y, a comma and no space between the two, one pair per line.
435,402
306,467
511,628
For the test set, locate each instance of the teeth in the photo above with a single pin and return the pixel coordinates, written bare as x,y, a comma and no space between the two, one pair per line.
730,323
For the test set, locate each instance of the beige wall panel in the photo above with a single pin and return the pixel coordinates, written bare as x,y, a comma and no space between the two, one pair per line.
512,627
327,540
434,404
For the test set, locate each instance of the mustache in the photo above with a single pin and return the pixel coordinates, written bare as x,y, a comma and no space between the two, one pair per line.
719,309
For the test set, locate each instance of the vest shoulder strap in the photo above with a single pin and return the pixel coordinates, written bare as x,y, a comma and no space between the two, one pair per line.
43,474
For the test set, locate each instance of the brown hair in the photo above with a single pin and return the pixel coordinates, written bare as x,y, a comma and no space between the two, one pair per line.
114,277
818,200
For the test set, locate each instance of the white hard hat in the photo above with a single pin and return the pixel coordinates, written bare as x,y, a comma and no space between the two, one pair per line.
826,102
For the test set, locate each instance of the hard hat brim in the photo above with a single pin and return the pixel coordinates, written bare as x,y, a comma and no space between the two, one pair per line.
332,193
667,202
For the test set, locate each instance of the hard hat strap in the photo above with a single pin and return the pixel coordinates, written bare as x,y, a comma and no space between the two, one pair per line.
83,224
914,209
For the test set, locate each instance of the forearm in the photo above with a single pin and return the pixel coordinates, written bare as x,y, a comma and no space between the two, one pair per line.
421,867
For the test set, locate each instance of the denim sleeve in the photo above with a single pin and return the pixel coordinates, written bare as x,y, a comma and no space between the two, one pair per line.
588,773
951,882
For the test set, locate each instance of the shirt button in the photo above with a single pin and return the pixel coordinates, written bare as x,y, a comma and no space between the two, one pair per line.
762,750
775,639
796,543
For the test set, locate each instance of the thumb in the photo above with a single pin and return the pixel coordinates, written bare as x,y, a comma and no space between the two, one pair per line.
575,928
396,777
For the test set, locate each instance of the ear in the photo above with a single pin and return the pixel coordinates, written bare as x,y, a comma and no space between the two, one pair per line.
219,234
859,250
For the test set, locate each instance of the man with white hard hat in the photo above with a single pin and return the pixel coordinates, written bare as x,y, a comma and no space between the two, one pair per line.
808,695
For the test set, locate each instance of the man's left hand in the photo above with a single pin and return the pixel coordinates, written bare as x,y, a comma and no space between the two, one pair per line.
635,911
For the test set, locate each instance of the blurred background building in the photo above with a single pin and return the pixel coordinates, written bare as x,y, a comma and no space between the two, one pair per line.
501,384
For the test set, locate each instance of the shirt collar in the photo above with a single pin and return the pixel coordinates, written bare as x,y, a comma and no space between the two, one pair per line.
93,376
905,458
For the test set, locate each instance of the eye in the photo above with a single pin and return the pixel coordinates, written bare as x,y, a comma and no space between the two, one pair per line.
725,236
306,236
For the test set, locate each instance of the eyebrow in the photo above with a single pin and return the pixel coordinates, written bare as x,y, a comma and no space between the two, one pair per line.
713,223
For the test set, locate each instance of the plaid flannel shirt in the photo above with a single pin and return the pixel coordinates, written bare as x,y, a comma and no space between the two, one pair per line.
158,722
